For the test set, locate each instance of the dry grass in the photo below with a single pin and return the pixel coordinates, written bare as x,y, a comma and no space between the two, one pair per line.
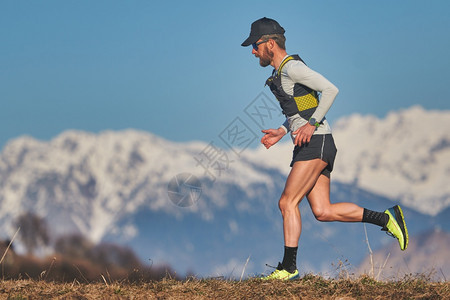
308,287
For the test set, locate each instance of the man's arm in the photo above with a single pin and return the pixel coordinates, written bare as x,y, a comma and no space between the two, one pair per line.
301,73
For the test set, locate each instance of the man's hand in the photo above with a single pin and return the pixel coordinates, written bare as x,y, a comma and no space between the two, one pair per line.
272,136
303,134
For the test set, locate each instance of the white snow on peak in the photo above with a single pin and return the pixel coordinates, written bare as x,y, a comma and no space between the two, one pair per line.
404,156
88,182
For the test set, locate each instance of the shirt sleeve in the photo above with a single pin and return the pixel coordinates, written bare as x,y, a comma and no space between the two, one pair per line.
300,73
285,126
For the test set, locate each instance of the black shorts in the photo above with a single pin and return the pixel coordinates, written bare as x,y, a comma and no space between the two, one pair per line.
321,146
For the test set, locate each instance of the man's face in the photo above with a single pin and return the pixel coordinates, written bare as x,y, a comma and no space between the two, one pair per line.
263,52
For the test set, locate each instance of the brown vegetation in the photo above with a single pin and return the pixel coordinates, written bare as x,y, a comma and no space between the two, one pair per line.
308,287
77,259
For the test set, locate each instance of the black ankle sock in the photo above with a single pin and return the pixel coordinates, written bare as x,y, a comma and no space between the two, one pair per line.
290,259
375,217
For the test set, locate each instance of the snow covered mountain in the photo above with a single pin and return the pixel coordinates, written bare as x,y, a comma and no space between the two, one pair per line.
117,186
404,156
88,182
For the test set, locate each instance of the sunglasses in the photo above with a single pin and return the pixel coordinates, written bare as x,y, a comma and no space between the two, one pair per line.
255,45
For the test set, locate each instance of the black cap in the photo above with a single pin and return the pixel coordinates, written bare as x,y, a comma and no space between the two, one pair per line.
262,27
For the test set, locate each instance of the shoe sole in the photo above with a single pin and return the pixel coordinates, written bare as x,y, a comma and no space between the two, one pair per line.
285,278
296,276
401,222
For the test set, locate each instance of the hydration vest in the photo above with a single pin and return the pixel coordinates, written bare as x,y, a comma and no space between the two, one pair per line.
303,102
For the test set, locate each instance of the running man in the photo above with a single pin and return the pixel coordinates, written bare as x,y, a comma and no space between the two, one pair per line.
296,87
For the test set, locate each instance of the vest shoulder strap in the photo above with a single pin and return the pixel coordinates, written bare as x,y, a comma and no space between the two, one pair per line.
290,57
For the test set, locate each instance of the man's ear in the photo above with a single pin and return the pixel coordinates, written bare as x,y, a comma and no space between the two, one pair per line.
271,43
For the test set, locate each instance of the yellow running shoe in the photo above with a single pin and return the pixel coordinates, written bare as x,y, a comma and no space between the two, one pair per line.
281,274
396,226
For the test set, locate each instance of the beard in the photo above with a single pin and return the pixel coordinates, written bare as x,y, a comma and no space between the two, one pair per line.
266,58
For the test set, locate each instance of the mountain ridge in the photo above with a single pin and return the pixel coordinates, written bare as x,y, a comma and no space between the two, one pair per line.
403,158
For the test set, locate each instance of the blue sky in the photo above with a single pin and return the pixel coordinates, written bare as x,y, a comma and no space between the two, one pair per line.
176,68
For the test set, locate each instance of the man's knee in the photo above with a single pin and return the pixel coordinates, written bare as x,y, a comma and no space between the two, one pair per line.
287,203
322,214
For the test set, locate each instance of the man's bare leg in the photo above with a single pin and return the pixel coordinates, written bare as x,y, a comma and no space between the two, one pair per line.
301,180
323,210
